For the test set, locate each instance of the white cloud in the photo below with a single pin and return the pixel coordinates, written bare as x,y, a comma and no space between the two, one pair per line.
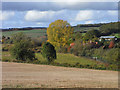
113,12
5,15
73,17
89,22
84,15
46,16
39,15
96,15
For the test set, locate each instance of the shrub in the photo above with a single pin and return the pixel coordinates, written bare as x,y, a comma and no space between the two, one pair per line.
48,52
22,49
78,48
117,45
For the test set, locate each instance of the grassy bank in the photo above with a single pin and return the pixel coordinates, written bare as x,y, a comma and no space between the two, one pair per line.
66,60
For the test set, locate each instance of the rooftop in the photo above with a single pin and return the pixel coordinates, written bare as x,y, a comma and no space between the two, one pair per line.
107,37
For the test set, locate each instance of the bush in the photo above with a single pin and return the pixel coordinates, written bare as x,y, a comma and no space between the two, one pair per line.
108,55
48,52
83,50
22,50
78,48
117,45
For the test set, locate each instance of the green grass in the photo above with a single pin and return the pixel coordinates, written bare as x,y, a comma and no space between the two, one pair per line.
83,34
7,57
32,33
61,58
117,35
68,58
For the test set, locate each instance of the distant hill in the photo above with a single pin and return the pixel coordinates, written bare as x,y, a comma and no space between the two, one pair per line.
25,28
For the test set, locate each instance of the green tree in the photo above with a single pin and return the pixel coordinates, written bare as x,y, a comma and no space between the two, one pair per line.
59,33
49,52
22,50
77,36
110,28
91,34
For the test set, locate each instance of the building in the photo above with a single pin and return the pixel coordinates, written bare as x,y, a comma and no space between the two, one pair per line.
108,38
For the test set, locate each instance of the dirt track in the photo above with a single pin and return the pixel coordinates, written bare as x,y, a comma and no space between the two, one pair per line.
45,76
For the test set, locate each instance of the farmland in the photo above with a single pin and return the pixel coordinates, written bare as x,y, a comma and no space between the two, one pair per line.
31,33
36,33
84,71
19,75
57,45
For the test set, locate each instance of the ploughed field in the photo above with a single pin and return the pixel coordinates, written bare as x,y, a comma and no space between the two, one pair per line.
31,33
22,75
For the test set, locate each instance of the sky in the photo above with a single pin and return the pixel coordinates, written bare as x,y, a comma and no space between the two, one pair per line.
41,14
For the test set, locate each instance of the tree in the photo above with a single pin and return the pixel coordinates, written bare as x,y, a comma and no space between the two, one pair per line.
110,28
59,33
19,37
77,36
91,34
22,50
48,52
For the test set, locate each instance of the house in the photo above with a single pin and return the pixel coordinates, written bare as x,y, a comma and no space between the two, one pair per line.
108,38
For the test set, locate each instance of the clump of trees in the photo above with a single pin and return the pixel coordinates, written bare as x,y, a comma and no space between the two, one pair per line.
49,52
110,28
106,51
22,48
91,35
59,33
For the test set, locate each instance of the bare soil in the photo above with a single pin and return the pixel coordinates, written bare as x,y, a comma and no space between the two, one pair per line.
19,75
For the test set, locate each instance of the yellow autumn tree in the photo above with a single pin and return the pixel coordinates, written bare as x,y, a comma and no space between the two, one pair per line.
59,33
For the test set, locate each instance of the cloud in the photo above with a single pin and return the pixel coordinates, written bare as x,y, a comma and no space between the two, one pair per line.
39,16
5,15
70,15
84,15
56,6
113,12
89,22
44,18
49,16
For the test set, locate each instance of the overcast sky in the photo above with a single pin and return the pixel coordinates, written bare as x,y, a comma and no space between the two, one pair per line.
37,14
